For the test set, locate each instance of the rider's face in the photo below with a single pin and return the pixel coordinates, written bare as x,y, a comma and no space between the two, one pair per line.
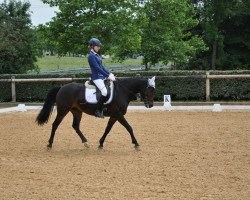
96,48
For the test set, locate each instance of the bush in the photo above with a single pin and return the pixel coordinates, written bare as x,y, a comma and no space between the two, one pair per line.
167,82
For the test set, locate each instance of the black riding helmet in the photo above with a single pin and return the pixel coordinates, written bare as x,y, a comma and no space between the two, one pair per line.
94,42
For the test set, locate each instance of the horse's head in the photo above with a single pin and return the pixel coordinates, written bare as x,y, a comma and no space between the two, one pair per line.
148,93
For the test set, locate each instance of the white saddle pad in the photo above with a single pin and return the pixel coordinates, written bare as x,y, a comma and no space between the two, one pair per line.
90,94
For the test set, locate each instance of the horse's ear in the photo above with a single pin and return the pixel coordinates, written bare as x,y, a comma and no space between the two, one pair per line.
151,82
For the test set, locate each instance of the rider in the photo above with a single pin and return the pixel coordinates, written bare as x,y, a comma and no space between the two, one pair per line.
99,73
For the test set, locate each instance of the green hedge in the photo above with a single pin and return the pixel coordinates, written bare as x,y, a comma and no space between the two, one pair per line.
180,89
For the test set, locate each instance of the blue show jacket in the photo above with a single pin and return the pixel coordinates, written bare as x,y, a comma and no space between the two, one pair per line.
97,69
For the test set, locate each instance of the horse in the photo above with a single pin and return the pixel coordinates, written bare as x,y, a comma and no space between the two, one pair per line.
69,98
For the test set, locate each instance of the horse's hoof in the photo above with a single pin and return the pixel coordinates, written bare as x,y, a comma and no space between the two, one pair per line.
101,148
86,144
49,147
137,148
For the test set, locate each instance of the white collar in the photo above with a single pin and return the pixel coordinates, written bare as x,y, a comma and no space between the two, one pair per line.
93,52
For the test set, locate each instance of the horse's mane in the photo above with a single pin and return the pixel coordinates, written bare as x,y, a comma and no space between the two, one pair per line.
130,85
132,80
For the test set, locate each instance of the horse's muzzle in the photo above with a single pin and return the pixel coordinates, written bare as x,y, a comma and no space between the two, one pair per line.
149,104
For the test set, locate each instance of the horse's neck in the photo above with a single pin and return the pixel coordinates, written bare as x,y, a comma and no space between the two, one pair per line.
136,85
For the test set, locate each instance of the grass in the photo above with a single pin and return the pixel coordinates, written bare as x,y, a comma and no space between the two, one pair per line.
55,63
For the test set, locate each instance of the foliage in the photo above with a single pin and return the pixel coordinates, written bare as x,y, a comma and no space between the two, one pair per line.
237,43
159,30
78,21
228,49
166,33
16,38
198,32
42,43
181,89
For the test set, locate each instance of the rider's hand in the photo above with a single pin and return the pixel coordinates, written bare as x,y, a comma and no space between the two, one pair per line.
111,77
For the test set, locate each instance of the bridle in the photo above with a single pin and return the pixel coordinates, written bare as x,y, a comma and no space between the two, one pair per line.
146,100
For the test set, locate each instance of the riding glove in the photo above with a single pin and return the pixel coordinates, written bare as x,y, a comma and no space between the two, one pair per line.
111,77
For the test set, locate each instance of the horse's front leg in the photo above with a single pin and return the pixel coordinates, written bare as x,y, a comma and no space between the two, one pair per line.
77,116
124,122
110,124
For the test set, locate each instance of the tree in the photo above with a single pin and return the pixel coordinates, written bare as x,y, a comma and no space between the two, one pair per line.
42,42
166,33
16,37
110,21
218,22
159,29
214,13
237,43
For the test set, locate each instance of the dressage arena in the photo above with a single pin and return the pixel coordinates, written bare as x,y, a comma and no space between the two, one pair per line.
201,155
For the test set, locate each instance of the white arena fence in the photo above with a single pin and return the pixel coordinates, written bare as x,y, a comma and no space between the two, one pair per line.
214,108
13,81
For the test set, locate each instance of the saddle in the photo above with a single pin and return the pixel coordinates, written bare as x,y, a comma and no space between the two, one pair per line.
92,93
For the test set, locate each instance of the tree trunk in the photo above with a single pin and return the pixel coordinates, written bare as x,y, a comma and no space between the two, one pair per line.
145,61
214,51
146,66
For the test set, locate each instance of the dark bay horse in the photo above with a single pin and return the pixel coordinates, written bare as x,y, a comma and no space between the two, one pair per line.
68,98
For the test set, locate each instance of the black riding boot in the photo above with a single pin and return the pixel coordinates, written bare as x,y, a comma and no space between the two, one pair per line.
99,109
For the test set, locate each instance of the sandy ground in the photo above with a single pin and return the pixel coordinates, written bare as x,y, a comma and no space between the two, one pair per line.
184,155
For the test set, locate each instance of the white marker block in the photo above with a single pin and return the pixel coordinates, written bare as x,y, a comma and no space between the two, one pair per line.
167,102
217,108
21,108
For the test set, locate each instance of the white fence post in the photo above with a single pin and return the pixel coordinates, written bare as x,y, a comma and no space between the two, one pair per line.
207,87
13,89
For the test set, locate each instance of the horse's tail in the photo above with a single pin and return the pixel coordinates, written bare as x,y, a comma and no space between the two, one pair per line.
48,106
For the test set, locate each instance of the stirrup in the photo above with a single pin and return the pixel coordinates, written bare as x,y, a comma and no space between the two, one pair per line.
99,114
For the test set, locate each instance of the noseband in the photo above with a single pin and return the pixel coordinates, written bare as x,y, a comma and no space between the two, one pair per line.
146,100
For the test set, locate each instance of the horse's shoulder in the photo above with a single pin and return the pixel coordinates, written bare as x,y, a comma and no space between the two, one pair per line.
79,85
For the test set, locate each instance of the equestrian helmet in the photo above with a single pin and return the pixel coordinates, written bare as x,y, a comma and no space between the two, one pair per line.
94,42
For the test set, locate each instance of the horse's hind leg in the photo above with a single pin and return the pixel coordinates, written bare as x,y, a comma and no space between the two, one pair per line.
111,122
61,113
77,116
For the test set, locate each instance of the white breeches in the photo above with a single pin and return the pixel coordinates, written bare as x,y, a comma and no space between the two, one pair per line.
100,84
